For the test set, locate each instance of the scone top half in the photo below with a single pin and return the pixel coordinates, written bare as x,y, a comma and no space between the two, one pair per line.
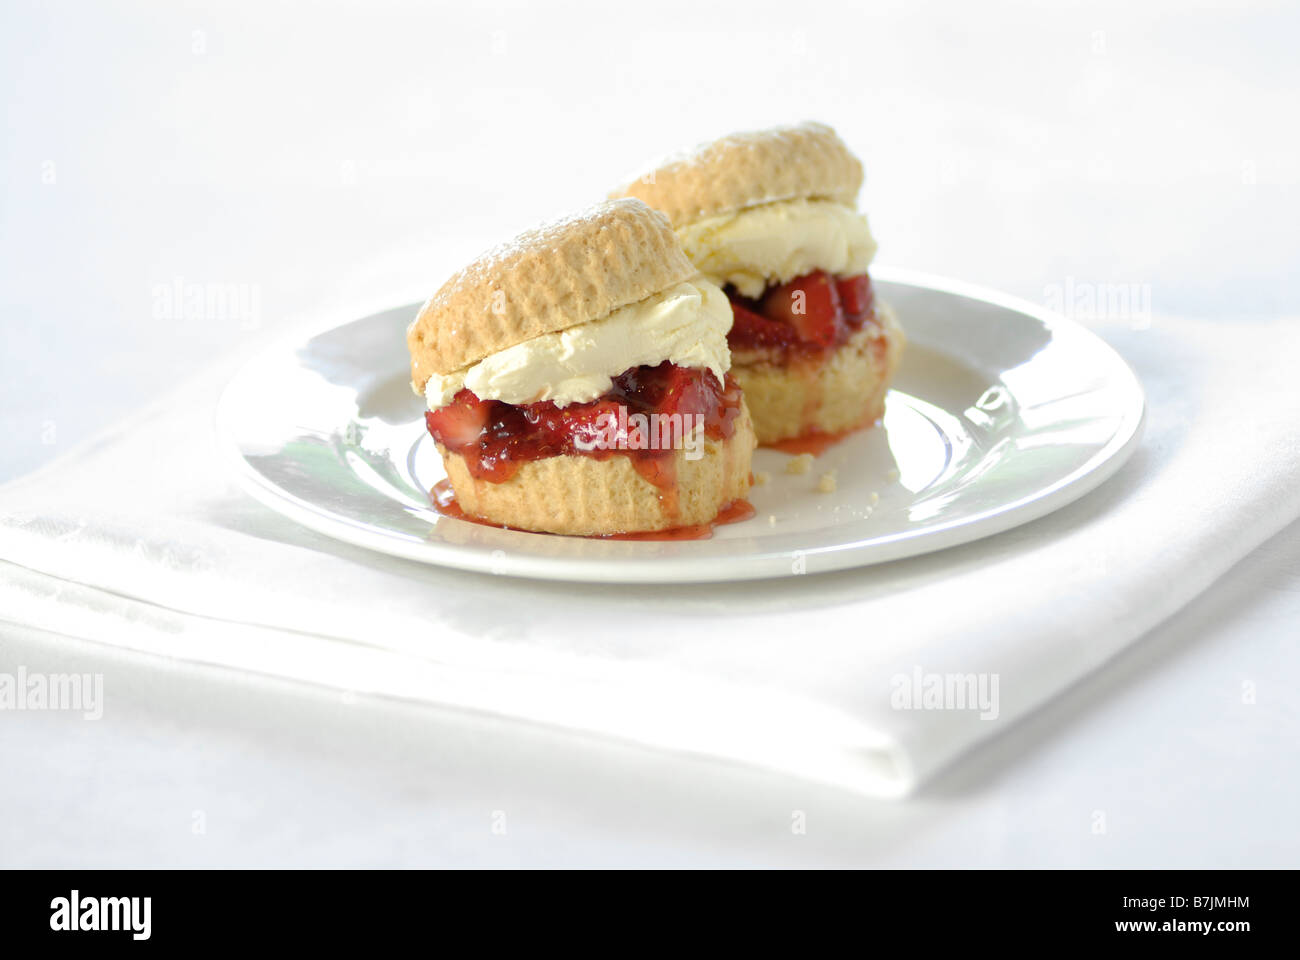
759,209
560,311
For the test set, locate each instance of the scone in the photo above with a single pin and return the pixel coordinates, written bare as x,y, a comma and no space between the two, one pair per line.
771,216
577,380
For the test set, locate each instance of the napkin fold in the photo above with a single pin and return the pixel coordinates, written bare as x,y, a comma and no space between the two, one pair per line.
869,679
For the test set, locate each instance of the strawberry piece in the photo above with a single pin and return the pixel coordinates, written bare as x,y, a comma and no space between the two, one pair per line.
810,304
461,422
750,331
683,391
856,295
582,425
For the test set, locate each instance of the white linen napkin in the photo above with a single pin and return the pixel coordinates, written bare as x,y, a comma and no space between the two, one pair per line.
141,540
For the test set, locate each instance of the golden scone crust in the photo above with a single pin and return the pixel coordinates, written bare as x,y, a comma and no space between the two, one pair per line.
560,275
584,496
805,161
845,392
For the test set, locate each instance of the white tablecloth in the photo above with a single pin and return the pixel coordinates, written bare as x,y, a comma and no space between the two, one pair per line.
821,676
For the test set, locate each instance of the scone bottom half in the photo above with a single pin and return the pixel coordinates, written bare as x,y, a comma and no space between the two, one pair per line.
666,449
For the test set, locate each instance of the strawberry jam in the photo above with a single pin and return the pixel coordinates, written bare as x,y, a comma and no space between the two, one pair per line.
496,437
806,318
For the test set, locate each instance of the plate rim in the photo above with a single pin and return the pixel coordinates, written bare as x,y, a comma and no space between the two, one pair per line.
760,565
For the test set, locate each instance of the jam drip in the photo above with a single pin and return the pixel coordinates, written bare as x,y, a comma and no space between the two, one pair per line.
495,437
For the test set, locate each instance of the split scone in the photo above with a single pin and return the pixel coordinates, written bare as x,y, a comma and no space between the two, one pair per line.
577,380
772,217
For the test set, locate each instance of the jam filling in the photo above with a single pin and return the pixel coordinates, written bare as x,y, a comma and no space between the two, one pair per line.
495,438
805,319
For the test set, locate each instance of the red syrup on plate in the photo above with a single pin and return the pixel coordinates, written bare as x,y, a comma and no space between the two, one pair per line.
815,442
733,512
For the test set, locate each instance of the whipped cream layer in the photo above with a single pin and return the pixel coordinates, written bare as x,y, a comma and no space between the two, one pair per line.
686,324
773,243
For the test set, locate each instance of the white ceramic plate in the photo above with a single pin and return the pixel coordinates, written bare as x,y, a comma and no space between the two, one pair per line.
1001,413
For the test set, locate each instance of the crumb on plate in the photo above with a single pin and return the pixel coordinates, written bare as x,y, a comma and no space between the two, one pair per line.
799,464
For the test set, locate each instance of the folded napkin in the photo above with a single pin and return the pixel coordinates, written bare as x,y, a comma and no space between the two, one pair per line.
140,540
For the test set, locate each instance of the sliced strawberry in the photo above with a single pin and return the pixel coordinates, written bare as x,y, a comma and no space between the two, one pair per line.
856,295
669,386
461,422
689,392
810,304
750,331
585,425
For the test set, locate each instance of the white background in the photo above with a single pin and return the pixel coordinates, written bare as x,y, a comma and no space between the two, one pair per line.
313,153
